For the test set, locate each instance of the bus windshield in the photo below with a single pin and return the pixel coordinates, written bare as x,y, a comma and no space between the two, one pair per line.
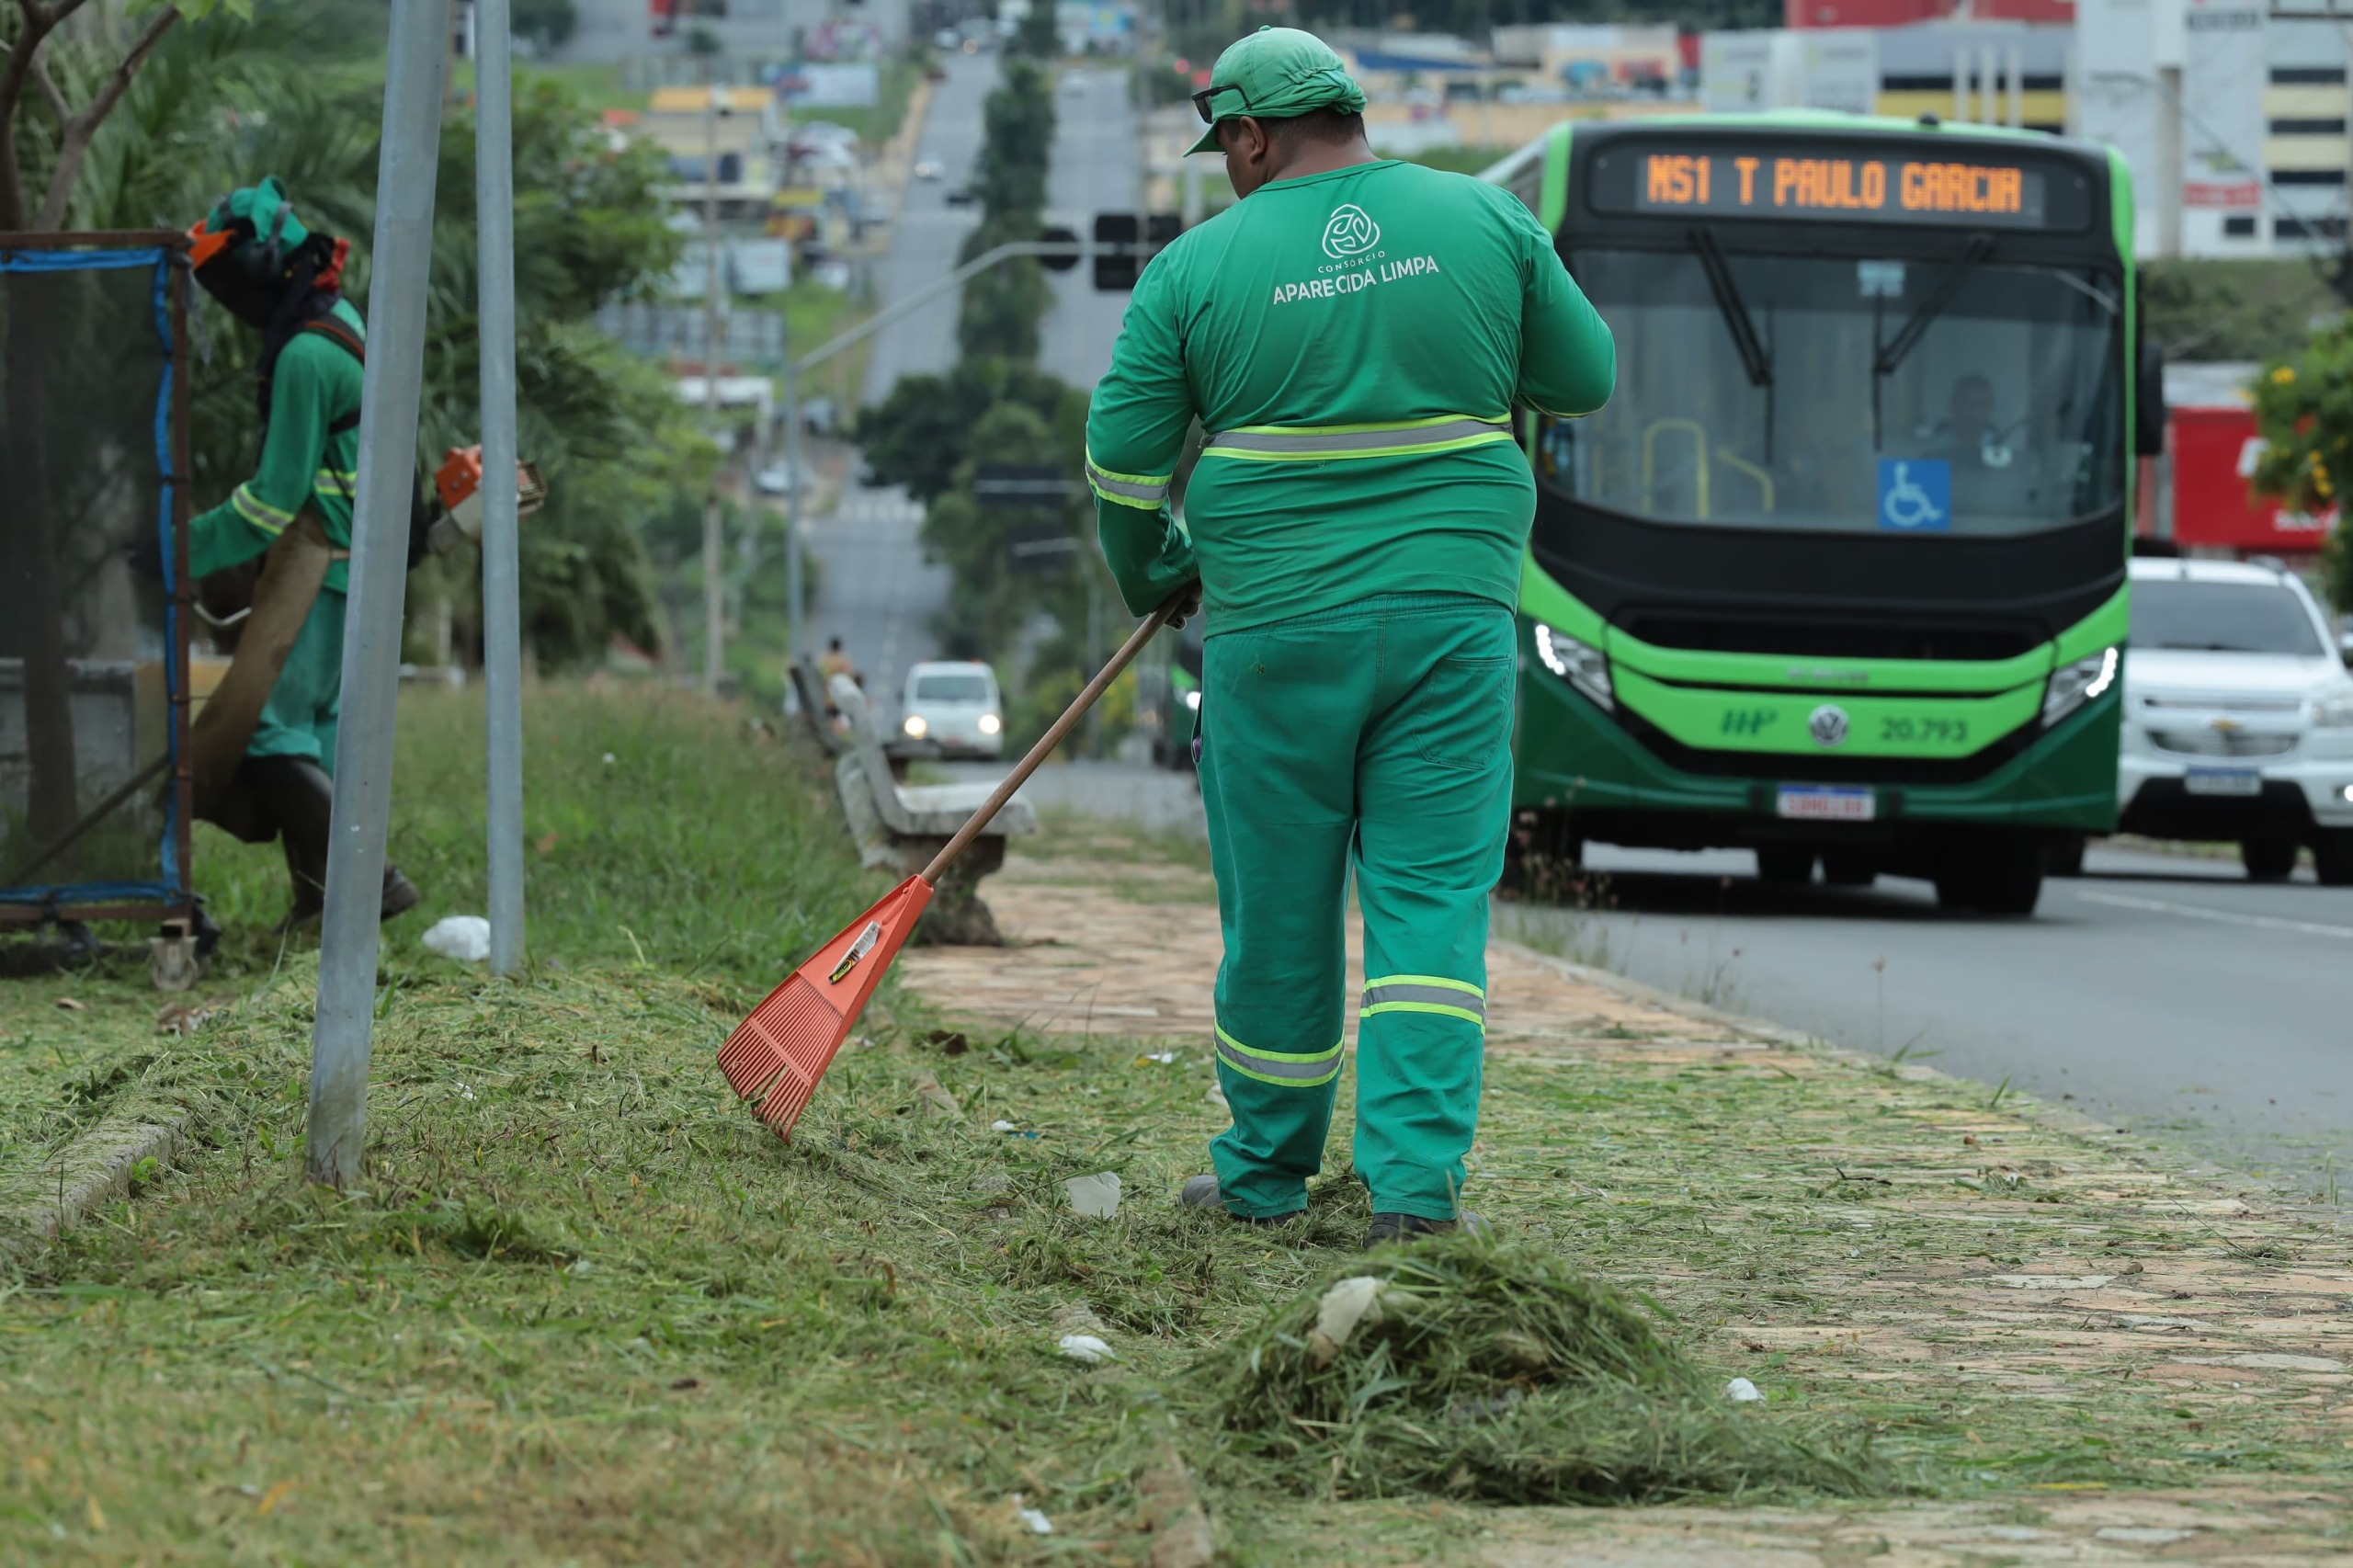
1813,393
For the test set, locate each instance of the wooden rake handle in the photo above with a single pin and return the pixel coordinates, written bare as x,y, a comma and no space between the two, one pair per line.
1052,737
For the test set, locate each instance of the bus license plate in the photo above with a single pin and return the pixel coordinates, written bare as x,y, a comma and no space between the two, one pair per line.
2223,781
1829,802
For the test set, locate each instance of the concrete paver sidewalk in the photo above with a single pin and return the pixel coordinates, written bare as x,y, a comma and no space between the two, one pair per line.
1974,1247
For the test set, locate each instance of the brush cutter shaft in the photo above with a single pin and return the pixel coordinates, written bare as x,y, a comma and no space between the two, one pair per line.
1050,739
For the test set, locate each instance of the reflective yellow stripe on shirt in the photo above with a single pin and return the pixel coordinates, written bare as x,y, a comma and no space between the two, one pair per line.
1320,443
336,482
258,512
1144,492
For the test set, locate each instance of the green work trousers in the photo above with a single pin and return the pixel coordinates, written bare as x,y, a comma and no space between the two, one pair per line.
301,716
1377,737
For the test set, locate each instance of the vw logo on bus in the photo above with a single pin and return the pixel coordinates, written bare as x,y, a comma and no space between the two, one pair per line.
1827,725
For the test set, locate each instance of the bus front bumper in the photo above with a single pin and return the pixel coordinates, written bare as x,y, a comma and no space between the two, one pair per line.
1572,755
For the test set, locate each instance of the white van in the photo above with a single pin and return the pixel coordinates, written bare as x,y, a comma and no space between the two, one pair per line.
955,706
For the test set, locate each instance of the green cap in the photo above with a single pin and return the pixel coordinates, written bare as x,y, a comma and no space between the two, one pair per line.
1274,74
261,206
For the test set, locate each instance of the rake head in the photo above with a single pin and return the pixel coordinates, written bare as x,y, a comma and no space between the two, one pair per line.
776,1056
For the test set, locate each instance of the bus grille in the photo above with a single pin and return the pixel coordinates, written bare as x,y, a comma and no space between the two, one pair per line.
1828,639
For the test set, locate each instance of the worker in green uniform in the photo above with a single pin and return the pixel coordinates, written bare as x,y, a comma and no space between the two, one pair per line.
1352,334
273,272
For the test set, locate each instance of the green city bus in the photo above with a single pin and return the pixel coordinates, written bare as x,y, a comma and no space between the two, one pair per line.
1839,573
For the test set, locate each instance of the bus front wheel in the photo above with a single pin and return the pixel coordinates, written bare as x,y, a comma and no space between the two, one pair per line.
1996,876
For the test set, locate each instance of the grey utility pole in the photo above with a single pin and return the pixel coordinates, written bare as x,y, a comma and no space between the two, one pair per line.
793,643
394,379
502,612
714,593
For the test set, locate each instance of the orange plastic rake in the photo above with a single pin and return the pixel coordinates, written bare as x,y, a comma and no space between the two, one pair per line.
776,1056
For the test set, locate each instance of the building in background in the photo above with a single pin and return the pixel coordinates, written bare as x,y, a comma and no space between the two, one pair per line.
611,31
2012,73
2200,500
2232,116
1094,27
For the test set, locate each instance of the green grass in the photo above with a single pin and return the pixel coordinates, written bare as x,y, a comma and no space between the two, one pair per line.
586,1309
655,829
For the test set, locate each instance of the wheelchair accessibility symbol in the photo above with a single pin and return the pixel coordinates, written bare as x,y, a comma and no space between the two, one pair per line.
1915,494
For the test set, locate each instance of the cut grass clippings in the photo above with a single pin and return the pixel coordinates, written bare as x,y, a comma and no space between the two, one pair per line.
1492,1371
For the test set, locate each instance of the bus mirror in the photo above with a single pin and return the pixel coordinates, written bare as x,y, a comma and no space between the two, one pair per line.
2149,402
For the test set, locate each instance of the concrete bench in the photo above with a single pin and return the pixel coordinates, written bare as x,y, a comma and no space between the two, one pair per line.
899,827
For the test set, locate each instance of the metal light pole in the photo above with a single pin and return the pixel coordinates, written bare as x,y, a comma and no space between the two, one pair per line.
792,501
393,381
502,614
714,599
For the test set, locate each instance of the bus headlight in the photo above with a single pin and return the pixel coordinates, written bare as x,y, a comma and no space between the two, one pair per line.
1193,702
1584,666
988,724
2074,685
917,726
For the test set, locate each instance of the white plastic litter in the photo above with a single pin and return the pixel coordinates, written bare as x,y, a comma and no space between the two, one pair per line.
1037,1523
1743,1392
465,937
610,760
1351,1304
1097,1197
1002,1127
1166,1058
1086,1348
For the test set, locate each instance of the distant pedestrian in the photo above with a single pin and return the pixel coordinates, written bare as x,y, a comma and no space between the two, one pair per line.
1353,333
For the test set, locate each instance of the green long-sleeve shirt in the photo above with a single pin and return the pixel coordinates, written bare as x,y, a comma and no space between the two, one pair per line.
317,382
1352,344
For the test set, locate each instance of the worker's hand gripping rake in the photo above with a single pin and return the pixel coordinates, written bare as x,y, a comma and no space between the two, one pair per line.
776,1056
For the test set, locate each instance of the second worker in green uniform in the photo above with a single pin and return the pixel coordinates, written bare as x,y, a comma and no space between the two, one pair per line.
1352,334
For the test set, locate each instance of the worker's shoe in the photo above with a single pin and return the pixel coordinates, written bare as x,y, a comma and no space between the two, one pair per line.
1201,1192
400,894
298,799
1387,1228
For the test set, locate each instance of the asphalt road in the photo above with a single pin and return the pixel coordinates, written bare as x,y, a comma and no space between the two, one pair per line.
2161,993
875,591
1098,167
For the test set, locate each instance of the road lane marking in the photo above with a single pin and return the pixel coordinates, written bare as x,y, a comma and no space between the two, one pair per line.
2222,916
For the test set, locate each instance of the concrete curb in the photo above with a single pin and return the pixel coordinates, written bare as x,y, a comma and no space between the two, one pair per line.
92,1170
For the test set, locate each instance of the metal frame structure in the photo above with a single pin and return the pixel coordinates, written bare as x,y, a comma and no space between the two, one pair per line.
171,248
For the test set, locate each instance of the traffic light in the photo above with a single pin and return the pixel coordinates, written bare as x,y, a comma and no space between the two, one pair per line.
1117,273
1143,238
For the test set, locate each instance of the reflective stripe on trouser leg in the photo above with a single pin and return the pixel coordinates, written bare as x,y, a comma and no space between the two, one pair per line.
1433,783
1311,1070
1426,993
1281,708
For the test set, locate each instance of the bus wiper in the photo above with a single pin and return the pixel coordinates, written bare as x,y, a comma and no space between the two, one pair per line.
1955,275
1753,358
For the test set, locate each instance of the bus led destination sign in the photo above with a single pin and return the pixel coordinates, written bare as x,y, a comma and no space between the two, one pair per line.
1840,186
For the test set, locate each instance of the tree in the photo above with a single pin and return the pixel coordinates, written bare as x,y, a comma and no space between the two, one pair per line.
921,434
2303,404
79,78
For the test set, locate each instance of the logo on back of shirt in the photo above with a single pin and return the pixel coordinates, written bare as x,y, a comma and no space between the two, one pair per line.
1350,233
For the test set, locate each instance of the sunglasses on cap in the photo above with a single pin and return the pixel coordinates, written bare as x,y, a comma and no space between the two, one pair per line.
1202,101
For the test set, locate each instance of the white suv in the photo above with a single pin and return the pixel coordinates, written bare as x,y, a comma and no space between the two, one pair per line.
955,706
2238,717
